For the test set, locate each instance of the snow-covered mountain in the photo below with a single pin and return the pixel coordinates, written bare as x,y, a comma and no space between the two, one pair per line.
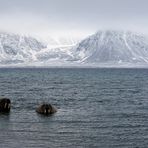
113,47
25,50
107,48
18,49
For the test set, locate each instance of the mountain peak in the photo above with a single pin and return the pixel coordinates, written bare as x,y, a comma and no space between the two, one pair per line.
106,47
114,47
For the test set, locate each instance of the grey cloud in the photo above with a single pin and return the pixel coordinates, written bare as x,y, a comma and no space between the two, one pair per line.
75,14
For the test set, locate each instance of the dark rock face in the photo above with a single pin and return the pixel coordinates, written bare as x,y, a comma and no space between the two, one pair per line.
5,105
46,109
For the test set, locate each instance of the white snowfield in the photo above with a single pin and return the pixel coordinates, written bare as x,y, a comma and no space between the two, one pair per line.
113,47
103,49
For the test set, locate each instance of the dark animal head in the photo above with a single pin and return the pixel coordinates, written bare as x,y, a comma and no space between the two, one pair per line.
47,109
5,105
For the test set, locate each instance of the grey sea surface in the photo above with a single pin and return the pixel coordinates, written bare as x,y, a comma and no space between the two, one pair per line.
100,108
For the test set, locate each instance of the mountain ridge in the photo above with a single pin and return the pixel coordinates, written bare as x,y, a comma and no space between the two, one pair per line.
104,48
113,46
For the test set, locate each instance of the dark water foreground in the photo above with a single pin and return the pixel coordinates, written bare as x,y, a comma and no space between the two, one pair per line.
102,108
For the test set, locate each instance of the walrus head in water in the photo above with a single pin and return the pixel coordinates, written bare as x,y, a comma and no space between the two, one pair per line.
5,105
46,109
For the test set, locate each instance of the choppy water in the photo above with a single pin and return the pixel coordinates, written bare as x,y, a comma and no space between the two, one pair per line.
105,108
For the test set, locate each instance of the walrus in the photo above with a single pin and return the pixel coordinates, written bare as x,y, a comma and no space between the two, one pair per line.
5,105
46,109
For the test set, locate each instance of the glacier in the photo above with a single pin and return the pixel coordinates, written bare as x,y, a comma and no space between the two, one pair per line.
105,48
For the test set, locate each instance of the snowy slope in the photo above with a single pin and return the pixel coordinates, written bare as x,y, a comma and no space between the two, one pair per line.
105,47
16,49
113,47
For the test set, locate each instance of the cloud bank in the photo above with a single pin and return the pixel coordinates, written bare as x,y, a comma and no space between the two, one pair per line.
76,18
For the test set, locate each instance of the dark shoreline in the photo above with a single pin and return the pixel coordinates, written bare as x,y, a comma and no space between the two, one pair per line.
71,67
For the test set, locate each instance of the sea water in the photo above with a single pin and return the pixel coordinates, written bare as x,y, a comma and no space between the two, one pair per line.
102,108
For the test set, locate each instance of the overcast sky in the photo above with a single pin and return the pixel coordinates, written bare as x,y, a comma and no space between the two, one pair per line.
73,17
